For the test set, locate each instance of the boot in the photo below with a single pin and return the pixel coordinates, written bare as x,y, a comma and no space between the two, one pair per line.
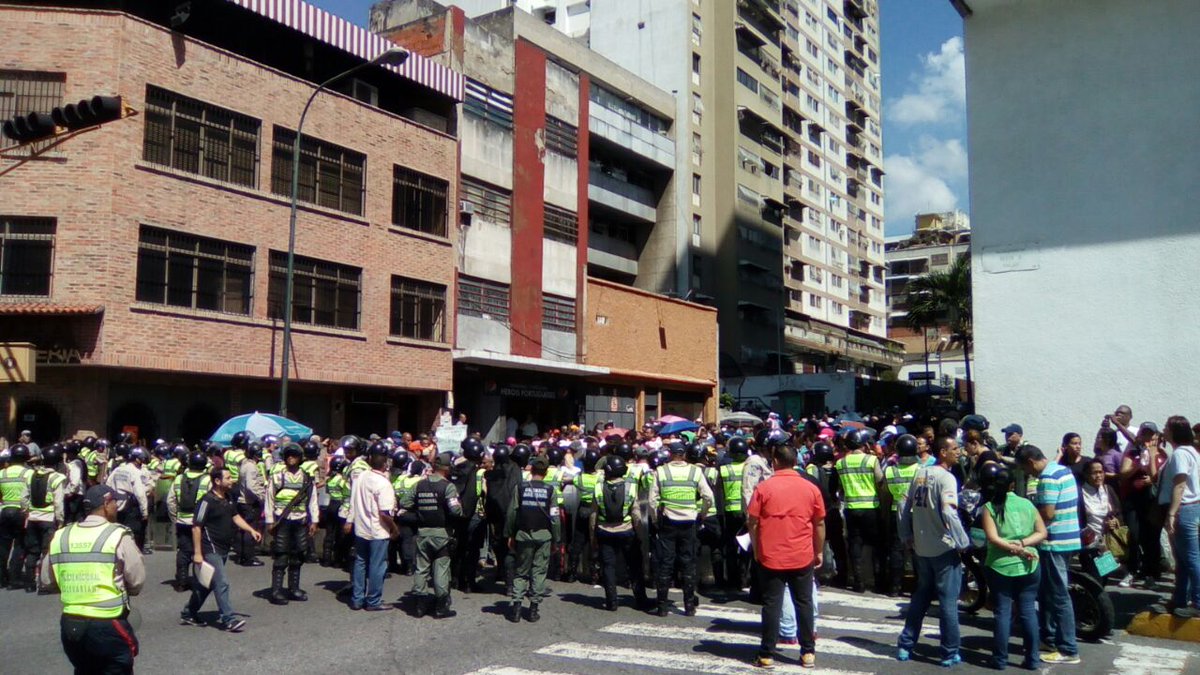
664,603
277,596
513,612
533,613
294,592
689,600
610,599
639,596
441,608
422,608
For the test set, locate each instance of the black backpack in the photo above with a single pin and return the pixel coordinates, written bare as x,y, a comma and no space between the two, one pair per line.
39,490
614,502
187,495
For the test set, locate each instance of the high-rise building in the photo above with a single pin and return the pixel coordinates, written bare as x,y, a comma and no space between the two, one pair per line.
778,129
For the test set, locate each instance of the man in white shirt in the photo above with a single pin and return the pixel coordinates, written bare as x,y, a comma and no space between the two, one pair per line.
133,504
372,501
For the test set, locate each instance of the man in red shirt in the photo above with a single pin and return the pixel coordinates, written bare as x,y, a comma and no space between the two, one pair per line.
786,520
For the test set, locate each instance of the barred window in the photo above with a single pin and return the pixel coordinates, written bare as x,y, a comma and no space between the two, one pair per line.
561,225
193,136
26,255
562,137
492,204
483,298
184,270
558,313
330,175
26,91
323,293
488,104
419,201
418,309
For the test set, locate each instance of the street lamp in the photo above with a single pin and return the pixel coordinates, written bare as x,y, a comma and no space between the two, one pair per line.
392,57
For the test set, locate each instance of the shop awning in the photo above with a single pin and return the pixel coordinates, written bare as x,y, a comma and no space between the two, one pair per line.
480,357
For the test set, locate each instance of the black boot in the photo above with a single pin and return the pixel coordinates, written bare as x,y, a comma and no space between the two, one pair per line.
689,600
664,603
294,592
422,609
513,612
533,613
610,599
441,608
277,597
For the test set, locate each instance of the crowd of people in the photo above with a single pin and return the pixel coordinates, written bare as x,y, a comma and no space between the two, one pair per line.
887,503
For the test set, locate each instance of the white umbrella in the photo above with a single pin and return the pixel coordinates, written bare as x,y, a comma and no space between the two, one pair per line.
740,418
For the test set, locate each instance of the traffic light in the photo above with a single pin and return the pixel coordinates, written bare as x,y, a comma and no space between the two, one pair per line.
90,112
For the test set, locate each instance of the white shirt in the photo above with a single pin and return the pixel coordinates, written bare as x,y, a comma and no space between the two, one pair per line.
1096,501
1184,461
371,495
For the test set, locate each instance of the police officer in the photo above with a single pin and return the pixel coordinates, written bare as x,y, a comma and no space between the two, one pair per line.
709,536
46,488
338,489
470,530
292,517
436,504
613,524
820,467
76,471
96,566
251,494
680,496
899,477
235,454
14,506
554,473
585,483
533,527
501,482
733,515
182,499
405,484
859,476
127,478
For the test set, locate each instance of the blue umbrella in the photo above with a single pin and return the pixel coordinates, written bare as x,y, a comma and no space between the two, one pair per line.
676,427
260,424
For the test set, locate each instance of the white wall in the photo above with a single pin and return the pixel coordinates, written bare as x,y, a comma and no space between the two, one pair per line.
487,250
1083,171
558,268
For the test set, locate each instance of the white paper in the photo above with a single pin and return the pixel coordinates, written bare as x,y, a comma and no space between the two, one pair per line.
743,541
204,573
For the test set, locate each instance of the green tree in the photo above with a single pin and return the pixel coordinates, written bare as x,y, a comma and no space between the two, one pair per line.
944,299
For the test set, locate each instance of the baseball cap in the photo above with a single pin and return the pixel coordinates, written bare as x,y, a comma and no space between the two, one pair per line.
444,460
26,432
539,464
1012,429
1148,426
96,496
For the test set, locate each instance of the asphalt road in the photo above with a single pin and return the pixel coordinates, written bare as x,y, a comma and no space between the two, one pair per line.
857,634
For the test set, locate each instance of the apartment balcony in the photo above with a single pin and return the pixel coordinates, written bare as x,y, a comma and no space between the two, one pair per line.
614,255
626,198
855,8
631,136
764,14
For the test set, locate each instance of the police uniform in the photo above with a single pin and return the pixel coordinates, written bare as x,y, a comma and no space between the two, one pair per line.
680,495
471,529
168,470
533,526
250,496
899,477
182,499
338,489
733,521
709,536
614,521
405,486
290,531
856,474
45,515
14,505
435,501
585,483
128,480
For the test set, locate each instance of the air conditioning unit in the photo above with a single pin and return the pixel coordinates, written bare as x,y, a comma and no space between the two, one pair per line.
466,208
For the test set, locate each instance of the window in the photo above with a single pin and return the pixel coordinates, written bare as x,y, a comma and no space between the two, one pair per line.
697,29
418,309
26,91
330,175
488,104
748,196
836,306
696,271
558,313
193,136
561,137
814,301
26,255
695,186
747,81
814,159
490,203
323,293
560,225
695,68
184,270
697,152
482,298
814,243
697,228
811,48
940,259
835,281
419,201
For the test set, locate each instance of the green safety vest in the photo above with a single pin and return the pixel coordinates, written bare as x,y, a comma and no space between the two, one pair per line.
586,484
84,563
201,490
898,479
479,500
286,489
731,481
858,481
14,486
356,467
676,491
337,488
404,486
310,467
597,494
91,459
710,474
154,465
233,462
52,483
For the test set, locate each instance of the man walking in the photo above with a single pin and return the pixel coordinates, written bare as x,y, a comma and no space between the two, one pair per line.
786,521
214,530
372,501
929,522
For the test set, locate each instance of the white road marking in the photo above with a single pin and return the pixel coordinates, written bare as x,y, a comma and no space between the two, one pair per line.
824,622
509,670
843,599
691,662
1143,660
697,635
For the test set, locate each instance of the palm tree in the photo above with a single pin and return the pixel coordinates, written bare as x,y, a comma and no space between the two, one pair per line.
944,299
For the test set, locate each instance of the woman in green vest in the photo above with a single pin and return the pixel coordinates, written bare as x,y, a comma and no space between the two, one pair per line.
1013,528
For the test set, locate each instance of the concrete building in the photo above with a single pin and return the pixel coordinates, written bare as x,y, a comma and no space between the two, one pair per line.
1085,239
144,260
930,355
568,178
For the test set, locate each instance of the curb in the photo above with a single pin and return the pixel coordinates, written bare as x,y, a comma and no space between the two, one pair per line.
1165,626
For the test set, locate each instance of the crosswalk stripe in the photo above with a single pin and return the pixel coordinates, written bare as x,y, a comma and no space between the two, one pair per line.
696,663
1142,660
829,596
824,621
695,634
509,670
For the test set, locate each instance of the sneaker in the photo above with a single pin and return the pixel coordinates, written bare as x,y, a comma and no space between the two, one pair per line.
952,661
232,626
1059,657
186,619
1163,607
808,660
764,662
1126,582
903,654
1186,613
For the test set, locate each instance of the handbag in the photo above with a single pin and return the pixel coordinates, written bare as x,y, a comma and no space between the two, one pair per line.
1117,542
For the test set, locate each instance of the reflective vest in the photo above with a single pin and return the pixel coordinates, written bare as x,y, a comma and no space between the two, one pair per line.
677,491
171,468
626,514
14,486
53,480
586,484
404,486
310,467
356,467
536,506
857,474
898,479
337,487
84,563
710,474
287,485
479,492
201,489
233,462
731,481
91,459
155,465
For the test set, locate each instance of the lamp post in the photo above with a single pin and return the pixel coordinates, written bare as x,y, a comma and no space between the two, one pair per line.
392,57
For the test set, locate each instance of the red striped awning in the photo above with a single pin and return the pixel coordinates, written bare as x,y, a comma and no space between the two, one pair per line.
334,30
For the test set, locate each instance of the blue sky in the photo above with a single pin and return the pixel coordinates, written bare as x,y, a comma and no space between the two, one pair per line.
924,121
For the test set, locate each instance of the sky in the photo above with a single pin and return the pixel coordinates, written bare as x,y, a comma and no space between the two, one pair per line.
924,106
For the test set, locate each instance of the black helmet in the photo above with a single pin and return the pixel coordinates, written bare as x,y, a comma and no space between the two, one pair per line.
311,449
738,448
269,439
125,437
121,450
240,439
196,461
662,456
472,449
52,455
993,477
615,468
89,442
695,453
212,449
254,450
338,465
906,445
853,440
351,443
72,447
137,453
520,455
590,458
376,449
101,445
822,453
501,452
555,456
180,450
400,460
293,450
624,451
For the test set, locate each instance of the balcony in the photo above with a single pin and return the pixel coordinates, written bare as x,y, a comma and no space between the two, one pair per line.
612,254
855,8
626,198
636,138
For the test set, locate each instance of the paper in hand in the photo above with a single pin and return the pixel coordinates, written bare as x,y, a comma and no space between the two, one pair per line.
743,541
204,573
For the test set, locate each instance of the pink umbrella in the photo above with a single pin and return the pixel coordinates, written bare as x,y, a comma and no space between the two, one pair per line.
667,419
615,431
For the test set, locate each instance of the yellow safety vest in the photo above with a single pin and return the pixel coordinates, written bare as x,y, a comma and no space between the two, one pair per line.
14,486
84,562
233,462
731,480
898,479
53,481
676,491
858,480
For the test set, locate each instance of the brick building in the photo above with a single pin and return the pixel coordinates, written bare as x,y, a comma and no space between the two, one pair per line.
144,260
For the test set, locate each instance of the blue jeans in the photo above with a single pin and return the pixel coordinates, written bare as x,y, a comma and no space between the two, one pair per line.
219,587
370,566
787,618
942,575
1054,602
1187,557
1024,590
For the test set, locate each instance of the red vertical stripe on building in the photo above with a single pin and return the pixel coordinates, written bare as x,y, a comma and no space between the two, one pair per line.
581,246
528,207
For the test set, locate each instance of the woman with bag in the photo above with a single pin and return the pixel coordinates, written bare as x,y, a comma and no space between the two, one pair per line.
1100,524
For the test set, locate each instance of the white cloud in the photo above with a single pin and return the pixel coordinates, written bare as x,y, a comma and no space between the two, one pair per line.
921,182
939,91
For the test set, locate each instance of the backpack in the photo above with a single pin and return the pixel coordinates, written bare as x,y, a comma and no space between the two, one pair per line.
187,495
39,490
614,502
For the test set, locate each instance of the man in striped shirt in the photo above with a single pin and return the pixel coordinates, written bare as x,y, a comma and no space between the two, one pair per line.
1056,498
